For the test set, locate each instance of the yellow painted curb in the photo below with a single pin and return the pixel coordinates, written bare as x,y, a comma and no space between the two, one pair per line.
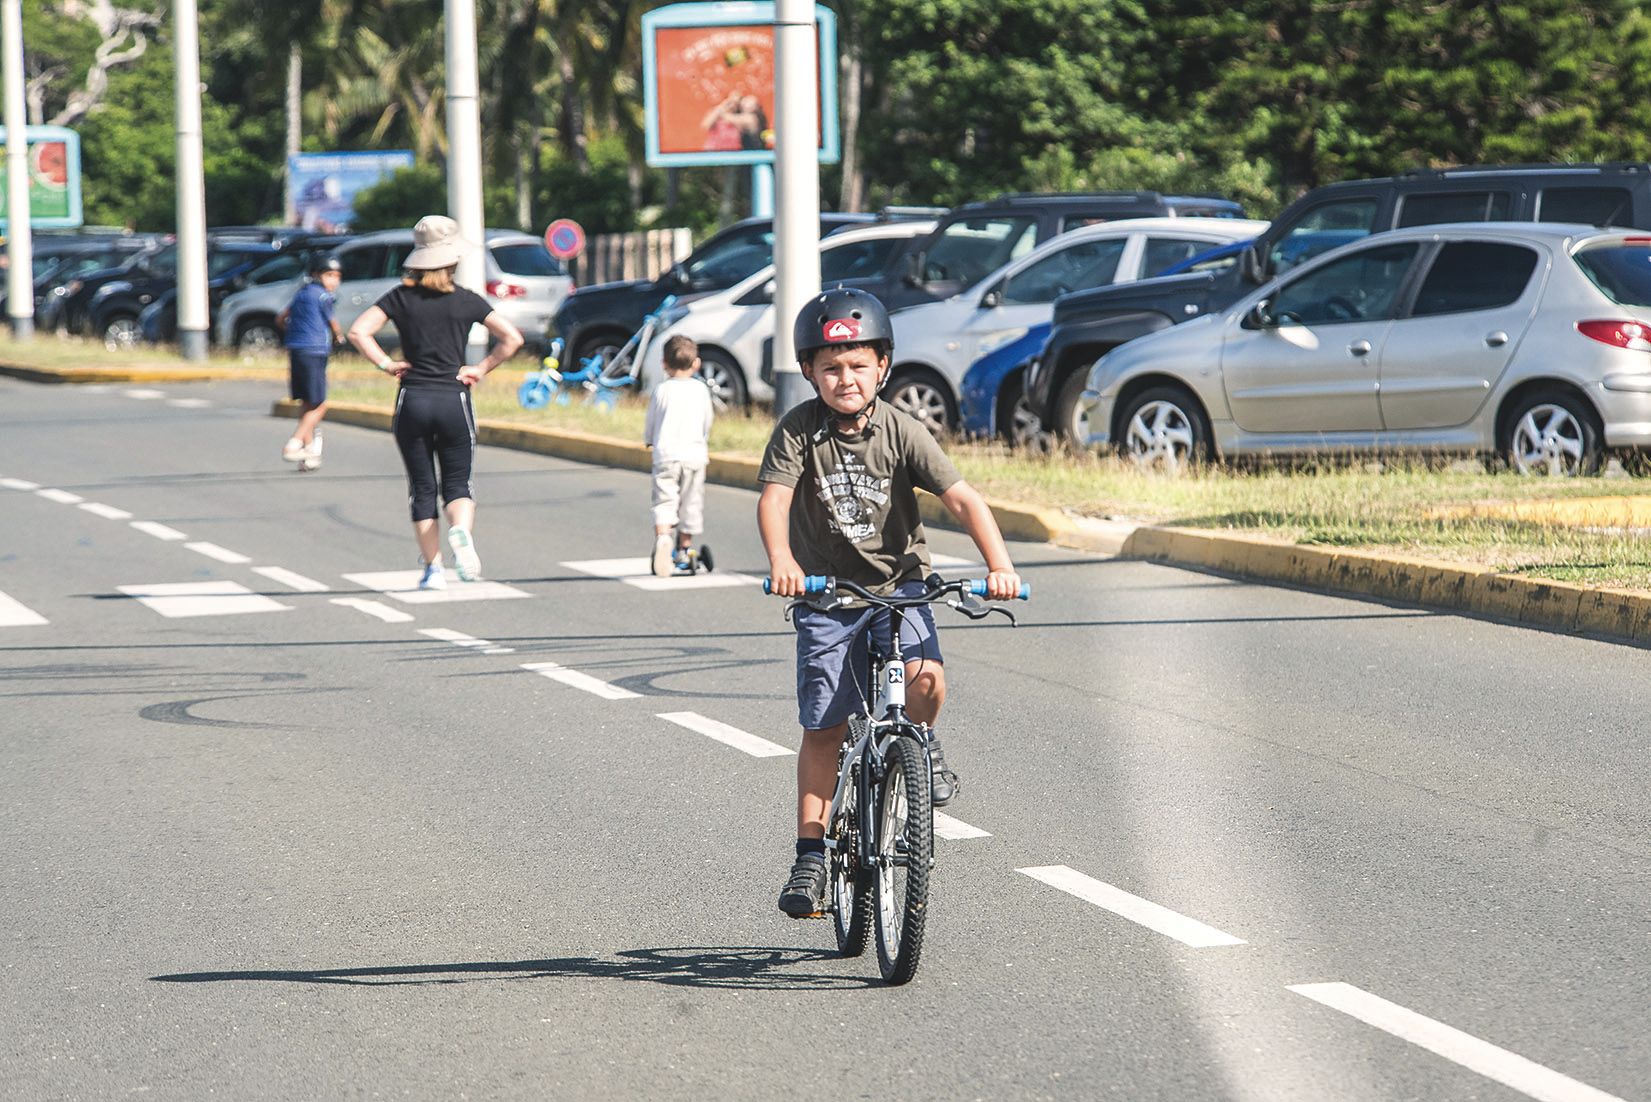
140,374
1453,586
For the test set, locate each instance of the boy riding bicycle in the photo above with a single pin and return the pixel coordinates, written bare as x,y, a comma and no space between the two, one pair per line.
840,476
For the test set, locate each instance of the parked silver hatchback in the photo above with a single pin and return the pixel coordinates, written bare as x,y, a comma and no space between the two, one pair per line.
1531,342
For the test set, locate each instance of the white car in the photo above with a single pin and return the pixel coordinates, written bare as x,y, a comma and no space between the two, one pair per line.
734,328
936,342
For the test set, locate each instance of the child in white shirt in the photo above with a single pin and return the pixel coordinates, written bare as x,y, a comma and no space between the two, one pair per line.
678,425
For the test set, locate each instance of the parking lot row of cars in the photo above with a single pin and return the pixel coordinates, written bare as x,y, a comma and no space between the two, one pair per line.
1495,310
121,289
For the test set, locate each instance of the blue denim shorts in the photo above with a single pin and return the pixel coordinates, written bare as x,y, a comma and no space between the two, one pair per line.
833,653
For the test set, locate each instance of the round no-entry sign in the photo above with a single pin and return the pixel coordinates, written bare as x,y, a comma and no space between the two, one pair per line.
565,239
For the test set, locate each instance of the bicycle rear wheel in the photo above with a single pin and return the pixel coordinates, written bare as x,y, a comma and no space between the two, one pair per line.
905,844
850,886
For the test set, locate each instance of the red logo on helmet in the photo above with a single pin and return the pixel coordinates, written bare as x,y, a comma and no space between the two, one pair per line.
842,329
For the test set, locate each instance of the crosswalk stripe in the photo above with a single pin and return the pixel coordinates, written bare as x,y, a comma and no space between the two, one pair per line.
213,551
143,394
638,574
751,744
374,608
956,829
577,680
291,580
1154,916
15,614
178,600
107,512
158,530
402,585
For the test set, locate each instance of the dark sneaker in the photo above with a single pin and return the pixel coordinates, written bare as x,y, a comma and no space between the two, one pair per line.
945,786
804,893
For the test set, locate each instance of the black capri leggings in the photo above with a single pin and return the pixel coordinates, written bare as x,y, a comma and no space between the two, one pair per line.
435,424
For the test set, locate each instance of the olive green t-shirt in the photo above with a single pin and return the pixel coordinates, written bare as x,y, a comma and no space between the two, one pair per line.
855,513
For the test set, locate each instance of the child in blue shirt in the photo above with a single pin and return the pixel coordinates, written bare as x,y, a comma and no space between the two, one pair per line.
310,330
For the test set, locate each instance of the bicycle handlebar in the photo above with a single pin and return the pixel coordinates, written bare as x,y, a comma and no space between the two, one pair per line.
816,584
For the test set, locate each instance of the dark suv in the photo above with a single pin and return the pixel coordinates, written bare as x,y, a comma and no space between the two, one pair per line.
1089,324
976,239
599,319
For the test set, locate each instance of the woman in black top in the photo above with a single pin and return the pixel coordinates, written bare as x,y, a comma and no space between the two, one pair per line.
434,421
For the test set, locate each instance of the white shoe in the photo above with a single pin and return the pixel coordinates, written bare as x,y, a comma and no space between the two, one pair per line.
315,446
662,564
465,559
433,577
293,450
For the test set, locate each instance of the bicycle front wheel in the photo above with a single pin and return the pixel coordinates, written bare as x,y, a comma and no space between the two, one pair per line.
850,886
905,845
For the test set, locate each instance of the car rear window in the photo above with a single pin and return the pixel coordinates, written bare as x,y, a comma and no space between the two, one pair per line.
1621,271
1592,206
526,258
1474,275
1454,206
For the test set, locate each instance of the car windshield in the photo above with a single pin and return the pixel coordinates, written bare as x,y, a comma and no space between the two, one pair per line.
1621,271
526,258
219,262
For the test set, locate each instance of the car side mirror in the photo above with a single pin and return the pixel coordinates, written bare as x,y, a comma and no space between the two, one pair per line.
912,275
1260,316
1249,262
678,275
993,298
768,290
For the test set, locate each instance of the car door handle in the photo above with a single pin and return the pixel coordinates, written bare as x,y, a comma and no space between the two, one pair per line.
1496,339
1359,348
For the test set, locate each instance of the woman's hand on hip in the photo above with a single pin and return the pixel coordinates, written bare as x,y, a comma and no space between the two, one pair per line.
471,374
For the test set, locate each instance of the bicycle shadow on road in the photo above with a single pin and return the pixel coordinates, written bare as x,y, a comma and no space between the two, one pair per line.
735,968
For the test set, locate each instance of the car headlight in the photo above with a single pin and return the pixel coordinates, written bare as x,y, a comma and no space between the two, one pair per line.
991,342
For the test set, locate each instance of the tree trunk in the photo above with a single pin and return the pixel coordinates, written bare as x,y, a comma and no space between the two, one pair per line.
854,177
123,31
573,117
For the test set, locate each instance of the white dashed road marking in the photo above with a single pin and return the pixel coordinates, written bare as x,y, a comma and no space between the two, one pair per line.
19,484
637,573
291,580
159,531
373,608
578,680
213,551
1188,931
402,585
460,639
189,403
15,614
62,497
144,395
729,736
950,562
1508,1068
176,600
956,829
107,512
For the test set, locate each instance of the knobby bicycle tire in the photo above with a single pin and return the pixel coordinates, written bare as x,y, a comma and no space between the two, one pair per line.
850,885
902,892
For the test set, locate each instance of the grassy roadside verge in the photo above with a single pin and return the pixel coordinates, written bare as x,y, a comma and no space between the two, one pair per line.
1407,509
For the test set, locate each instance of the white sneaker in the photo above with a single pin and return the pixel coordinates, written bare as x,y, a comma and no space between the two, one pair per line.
465,559
662,563
315,445
293,450
433,577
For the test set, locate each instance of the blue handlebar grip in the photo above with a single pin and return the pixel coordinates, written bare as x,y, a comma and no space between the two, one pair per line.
977,588
812,583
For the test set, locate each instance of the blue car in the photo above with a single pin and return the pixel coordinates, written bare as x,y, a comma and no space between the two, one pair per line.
994,395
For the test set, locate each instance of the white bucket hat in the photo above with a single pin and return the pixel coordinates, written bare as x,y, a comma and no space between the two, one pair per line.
436,243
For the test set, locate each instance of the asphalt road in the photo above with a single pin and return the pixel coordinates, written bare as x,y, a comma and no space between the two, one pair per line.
259,843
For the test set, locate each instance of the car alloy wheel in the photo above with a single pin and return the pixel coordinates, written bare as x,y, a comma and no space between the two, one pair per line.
723,379
1549,439
1026,428
120,334
923,400
1160,435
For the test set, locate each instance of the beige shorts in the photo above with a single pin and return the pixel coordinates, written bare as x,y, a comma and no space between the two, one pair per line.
679,497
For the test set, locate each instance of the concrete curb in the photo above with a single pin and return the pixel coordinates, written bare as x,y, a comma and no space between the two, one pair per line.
139,374
1477,591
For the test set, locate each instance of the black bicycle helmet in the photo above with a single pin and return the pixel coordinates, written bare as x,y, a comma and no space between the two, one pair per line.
842,315
325,264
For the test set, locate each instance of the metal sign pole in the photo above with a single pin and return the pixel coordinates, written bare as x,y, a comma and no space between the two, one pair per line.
797,161
464,151
193,320
19,243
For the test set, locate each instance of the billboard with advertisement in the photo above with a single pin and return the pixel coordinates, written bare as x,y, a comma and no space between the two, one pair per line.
324,185
708,83
54,178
